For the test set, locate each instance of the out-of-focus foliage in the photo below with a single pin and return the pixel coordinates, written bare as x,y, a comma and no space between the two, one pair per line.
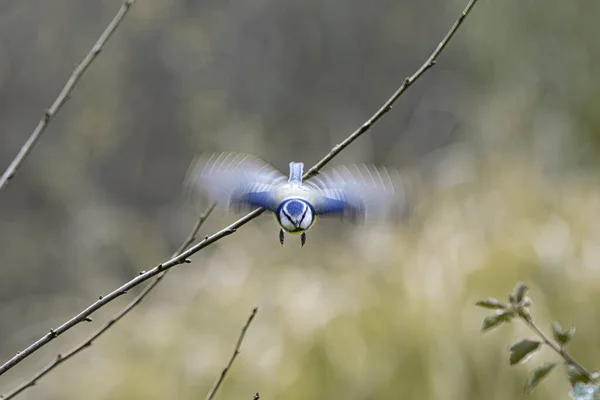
585,392
502,135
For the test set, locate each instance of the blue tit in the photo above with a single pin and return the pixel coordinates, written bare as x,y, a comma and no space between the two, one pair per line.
239,180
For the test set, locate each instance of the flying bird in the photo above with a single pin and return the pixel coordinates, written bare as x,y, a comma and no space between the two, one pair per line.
242,180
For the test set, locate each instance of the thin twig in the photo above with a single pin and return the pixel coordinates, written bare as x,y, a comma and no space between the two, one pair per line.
142,277
61,358
208,240
558,349
236,351
387,106
64,94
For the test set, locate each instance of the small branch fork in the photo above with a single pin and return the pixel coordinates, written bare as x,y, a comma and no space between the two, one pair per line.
558,349
61,358
236,351
208,240
64,94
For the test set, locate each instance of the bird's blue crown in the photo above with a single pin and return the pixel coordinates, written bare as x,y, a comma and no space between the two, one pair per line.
294,207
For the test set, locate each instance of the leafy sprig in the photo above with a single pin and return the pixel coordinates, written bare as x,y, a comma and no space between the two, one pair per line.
584,383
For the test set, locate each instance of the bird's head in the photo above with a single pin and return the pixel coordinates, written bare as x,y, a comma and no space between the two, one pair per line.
295,215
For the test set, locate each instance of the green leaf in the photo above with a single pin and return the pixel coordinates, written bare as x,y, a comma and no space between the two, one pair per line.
526,302
557,330
576,375
496,319
491,303
519,292
522,349
524,313
538,375
561,336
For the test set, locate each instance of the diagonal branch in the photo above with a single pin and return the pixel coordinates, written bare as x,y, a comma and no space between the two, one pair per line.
236,351
208,240
64,94
387,106
61,358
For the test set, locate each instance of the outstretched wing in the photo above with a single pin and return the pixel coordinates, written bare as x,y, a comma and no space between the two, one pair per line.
357,191
236,179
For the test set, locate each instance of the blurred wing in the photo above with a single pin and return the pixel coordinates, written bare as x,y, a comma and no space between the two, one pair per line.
236,179
357,191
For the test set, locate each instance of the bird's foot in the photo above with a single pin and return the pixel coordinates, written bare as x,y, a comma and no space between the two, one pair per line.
281,237
302,239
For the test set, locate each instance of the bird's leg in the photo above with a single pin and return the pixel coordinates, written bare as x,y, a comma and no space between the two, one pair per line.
281,237
302,239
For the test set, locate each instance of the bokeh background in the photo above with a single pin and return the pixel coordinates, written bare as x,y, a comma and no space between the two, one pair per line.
499,143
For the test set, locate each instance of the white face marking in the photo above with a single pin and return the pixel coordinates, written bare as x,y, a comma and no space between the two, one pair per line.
286,223
307,220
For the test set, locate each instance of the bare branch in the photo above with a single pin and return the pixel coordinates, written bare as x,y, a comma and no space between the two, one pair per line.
142,277
236,351
208,240
387,106
61,358
64,94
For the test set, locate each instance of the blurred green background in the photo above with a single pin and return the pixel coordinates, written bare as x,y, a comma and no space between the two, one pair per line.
499,142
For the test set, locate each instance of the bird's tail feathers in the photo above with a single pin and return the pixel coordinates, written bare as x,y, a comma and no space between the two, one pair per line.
296,172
